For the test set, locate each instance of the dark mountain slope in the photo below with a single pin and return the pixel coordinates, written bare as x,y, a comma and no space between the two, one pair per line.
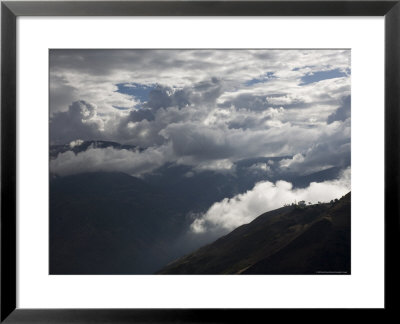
289,240
114,223
323,248
109,223
201,189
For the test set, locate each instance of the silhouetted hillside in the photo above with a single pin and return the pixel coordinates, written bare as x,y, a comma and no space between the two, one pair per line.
109,223
290,240
112,222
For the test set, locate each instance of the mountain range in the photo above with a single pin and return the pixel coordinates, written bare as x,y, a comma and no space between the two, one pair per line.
297,239
115,223
82,146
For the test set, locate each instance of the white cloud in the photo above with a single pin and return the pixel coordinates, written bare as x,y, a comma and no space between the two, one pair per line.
264,167
79,121
75,143
92,75
204,108
216,165
265,196
297,158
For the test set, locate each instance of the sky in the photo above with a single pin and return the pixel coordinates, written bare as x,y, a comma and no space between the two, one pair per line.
203,108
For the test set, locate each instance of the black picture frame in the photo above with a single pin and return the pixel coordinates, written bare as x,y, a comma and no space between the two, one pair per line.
10,10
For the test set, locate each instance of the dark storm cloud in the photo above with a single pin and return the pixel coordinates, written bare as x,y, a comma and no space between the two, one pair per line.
139,115
93,61
61,93
201,93
248,101
80,121
104,62
203,143
206,92
164,97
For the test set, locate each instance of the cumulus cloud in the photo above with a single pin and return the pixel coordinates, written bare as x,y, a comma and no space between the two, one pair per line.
92,75
164,97
196,140
75,143
260,167
265,196
223,165
211,108
319,157
80,121
287,163
342,113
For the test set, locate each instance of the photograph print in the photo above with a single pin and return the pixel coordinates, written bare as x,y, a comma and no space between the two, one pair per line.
199,161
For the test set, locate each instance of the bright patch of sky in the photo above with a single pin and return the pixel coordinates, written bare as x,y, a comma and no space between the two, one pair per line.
137,90
266,77
321,75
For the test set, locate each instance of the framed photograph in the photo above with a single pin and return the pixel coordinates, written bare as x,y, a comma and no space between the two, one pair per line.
198,161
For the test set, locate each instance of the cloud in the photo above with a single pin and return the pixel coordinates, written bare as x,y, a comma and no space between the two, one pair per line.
319,157
287,163
265,196
62,93
110,160
202,138
93,75
75,143
342,113
164,97
260,167
138,115
205,104
198,141
223,165
80,121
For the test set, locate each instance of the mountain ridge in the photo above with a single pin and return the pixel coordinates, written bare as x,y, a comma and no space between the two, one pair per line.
289,240
82,146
